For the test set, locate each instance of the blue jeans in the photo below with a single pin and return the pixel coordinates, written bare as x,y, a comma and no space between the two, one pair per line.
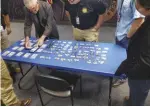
123,43
139,90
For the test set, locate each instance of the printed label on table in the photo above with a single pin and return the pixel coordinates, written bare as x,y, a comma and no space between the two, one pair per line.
5,53
26,55
11,54
44,46
34,56
106,49
15,48
23,40
20,49
19,54
104,58
22,43
39,50
33,49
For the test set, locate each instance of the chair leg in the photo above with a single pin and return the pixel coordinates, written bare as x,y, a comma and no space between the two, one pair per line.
39,93
72,102
80,85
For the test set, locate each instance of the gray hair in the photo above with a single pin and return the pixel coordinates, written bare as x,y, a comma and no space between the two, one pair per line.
29,3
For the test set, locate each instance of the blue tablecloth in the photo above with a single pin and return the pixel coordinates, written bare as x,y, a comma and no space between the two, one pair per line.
100,58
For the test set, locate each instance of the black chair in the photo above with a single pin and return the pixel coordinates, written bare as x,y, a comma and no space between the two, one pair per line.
58,87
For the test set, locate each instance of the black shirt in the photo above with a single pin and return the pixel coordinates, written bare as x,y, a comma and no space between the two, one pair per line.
137,64
4,11
138,52
87,11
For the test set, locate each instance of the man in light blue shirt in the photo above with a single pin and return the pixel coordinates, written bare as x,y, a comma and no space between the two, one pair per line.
128,21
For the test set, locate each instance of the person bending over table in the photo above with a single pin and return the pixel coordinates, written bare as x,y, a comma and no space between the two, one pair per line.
137,64
41,14
86,17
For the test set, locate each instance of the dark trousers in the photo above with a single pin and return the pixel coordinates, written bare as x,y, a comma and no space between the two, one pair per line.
139,90
123,43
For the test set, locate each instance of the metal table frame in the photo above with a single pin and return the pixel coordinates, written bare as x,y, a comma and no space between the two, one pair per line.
24,74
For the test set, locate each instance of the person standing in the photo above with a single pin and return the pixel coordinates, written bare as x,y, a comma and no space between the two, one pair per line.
8,96
137,64
128,21
5,32
86,17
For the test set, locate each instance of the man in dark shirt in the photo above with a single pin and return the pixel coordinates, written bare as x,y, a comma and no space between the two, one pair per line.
5,22
137,64
86,17
8,96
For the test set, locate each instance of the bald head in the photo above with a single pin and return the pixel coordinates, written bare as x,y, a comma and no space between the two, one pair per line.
32,5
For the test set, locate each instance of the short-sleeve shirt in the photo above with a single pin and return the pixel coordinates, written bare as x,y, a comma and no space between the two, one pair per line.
127,15
4,11
87,12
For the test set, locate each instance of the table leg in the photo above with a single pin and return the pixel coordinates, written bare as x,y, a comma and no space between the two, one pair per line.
21,70
110,90
23,75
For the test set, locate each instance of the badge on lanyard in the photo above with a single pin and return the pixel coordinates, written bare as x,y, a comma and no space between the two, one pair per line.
119,15
77,20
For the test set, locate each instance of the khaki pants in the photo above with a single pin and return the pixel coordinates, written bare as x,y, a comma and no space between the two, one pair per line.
85,35
4,40
8,95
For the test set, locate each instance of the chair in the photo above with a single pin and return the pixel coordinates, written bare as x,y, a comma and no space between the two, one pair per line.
56,86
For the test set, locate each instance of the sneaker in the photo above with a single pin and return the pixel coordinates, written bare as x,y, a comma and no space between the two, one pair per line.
119,82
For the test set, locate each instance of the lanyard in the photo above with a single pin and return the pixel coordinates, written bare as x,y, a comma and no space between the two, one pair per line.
121,8
77,10
77,17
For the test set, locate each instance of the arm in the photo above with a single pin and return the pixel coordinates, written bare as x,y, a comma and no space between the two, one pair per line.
7,23
7,20
48,27
99,22
134,27
27,27
138,20
111,11
144,61
100,9
67,14
66,6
